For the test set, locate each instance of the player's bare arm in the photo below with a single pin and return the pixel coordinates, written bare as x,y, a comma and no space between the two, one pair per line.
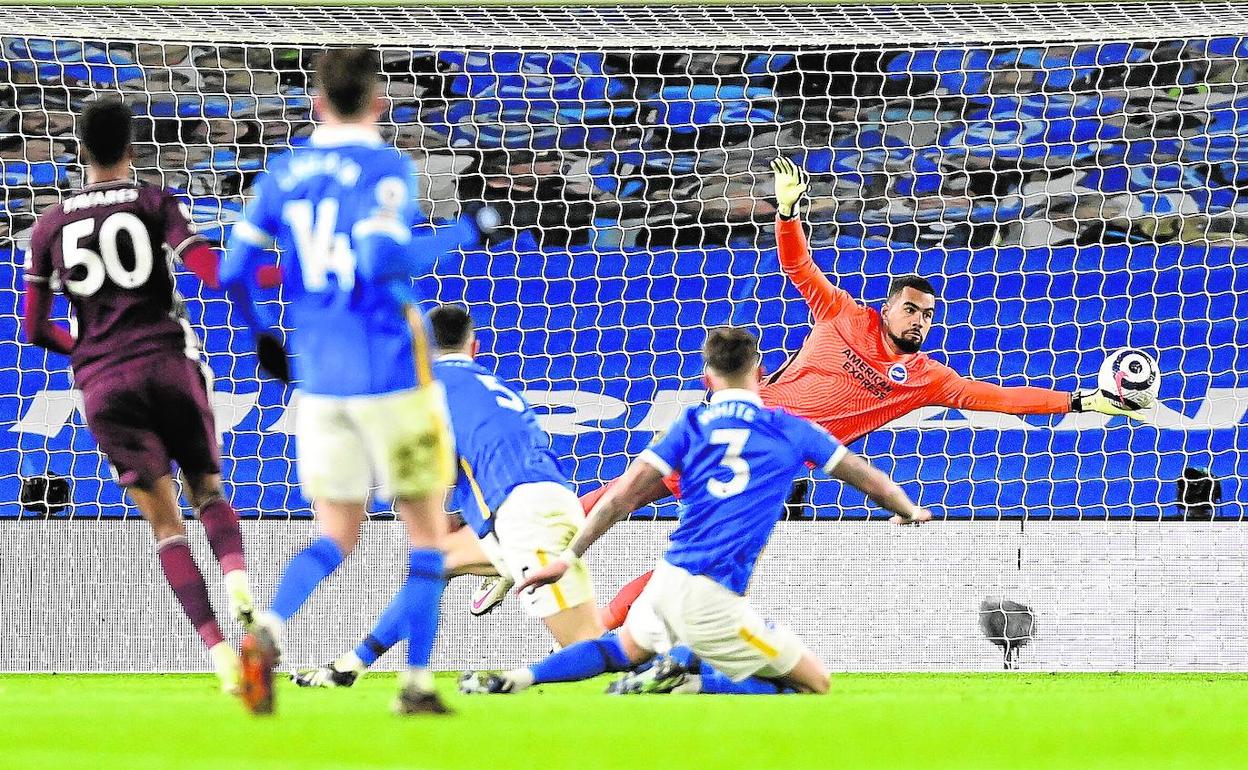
882,490
626,495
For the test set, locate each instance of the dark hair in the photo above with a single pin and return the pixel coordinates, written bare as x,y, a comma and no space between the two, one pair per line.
105,129
730,351
451,326
910,281
347,79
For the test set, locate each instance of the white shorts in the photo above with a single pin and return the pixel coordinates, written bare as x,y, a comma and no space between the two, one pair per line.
532,527
396,443
718,625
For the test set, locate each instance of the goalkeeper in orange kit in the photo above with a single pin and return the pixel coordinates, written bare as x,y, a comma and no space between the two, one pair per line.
861,368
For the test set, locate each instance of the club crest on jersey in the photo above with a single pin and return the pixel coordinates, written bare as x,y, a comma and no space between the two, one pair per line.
898,374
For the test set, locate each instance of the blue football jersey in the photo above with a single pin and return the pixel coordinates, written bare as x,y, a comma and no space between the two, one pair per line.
499,442
737,460
341,210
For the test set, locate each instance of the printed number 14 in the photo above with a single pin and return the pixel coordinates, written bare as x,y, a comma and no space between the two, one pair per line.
321,250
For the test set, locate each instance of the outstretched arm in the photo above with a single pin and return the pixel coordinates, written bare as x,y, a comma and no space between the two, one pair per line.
882,490
824,298
627,494
964,393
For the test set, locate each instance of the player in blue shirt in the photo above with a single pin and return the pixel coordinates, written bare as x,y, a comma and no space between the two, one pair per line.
511,492
341,212
737,460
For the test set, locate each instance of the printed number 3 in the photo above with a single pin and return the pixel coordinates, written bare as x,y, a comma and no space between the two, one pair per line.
734,439
504,397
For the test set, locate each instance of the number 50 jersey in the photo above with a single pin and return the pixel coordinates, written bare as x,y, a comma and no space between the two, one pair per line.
498,441
108,248
737,461
340,210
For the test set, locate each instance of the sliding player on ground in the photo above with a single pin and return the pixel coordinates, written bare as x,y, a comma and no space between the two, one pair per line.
861,368
341,211
512,494
737,458
136,360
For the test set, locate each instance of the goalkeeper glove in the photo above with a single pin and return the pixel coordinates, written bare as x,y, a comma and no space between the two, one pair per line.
272,356
791,186
1094,400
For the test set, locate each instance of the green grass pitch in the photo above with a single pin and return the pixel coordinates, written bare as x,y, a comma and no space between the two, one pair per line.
1005,721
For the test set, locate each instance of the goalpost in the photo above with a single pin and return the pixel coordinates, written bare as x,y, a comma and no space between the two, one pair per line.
1071,176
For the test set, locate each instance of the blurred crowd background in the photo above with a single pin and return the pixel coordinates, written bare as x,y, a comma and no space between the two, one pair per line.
1039,145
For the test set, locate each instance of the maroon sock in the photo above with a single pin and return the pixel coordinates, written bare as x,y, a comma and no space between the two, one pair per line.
187,583
221,528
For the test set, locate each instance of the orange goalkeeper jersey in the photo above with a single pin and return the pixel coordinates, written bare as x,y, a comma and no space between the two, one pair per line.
845,377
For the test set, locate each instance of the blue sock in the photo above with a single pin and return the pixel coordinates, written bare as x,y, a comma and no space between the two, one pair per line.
714,682
303,574
582,660
390,628
685,657
422,599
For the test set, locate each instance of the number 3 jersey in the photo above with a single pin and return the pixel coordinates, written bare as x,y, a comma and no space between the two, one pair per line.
340,211
498,441
105,248
737,460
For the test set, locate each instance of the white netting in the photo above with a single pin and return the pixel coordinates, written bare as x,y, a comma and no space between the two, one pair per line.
1070,176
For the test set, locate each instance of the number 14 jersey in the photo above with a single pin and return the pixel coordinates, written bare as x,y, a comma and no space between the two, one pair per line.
340,211
105,248
737,460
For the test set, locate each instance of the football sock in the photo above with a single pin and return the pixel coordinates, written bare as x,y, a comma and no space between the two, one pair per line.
221,528
616,611
685,657
422,597
187,583
303,574
716,682
390,628
582,661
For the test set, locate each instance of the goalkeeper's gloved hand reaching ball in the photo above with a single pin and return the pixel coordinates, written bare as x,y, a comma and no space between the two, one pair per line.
1095,400
791,185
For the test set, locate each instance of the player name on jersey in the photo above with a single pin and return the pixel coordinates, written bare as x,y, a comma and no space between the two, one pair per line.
728,409
101,198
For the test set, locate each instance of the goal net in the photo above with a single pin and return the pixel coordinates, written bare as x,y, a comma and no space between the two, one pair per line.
1069,176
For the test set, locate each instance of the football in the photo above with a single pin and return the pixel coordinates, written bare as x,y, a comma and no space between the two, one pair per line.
1130,376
